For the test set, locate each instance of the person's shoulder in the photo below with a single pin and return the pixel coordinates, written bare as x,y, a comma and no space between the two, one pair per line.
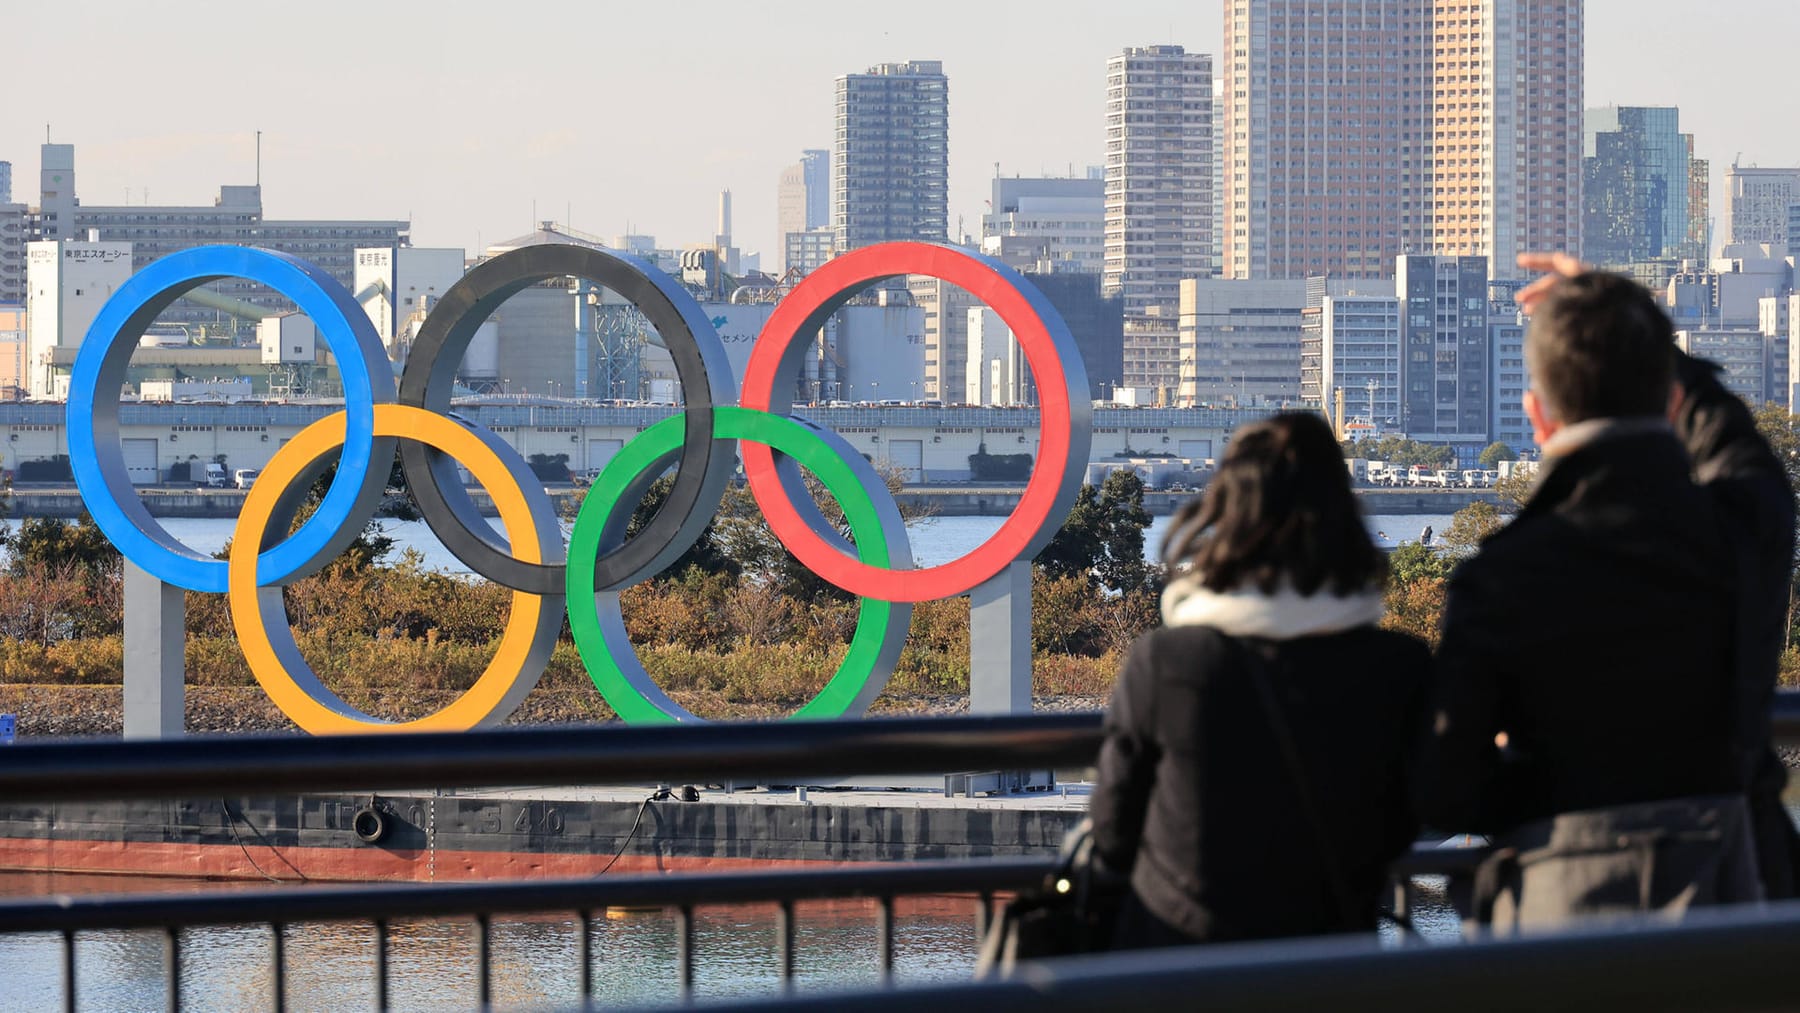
1176,650
1388,651
1526,543
1180,641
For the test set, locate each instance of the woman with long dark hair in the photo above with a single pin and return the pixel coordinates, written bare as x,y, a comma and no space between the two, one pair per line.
1253,777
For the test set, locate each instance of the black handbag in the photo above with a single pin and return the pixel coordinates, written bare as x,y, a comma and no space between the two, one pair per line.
1072,911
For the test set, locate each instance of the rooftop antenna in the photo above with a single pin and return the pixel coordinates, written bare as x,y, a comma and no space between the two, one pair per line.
259,160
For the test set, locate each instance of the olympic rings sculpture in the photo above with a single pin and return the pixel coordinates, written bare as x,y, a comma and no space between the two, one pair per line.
703,442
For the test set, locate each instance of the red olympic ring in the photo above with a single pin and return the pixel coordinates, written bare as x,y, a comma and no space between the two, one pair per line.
1062,396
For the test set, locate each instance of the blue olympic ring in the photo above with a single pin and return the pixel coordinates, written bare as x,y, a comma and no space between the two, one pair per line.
97,457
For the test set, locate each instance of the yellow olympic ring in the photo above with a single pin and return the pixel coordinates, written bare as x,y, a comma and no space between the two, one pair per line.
271,652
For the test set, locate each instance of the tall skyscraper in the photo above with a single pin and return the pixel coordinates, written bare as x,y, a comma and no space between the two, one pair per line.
1636,186
1699,202
1757,202
890,165
1324,136
1357,131
1158,175
1506,98
5,182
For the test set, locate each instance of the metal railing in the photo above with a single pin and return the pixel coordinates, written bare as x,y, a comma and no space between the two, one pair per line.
382,905
746,753
545,756
560,756
1724,960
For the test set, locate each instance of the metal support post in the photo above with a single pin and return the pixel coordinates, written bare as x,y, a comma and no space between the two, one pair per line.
155,638
1000,642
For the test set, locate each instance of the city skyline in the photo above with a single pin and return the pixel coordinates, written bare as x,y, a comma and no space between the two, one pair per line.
344,136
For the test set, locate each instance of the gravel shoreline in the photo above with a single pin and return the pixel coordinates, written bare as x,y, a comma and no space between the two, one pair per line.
61,712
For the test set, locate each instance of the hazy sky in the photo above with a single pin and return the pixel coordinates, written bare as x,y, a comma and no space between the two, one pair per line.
462,116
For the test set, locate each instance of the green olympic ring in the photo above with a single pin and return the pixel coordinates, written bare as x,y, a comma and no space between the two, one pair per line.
877,531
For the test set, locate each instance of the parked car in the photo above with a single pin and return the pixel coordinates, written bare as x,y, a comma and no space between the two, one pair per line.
244,477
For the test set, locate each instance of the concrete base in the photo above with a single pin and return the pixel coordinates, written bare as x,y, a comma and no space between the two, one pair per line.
1000,643
155,657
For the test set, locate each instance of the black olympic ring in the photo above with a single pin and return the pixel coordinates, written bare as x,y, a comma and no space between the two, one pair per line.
700,365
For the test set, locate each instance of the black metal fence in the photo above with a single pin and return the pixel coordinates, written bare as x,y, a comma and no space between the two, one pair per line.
746,754
1727,960
382,905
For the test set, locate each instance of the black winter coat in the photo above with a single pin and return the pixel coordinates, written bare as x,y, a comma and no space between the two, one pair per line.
1195,797
1622,629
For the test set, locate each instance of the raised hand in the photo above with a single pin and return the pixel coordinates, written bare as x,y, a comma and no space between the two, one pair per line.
1556,266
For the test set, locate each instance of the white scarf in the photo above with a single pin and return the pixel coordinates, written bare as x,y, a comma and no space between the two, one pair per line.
1284,615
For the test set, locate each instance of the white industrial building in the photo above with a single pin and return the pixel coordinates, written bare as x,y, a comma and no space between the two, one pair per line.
389,281
67,282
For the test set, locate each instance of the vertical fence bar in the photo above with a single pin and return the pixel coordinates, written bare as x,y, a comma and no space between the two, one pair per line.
584,934
483,957
172,965
885,938
684,950
784,930
68,969
381,965
984,913
278,942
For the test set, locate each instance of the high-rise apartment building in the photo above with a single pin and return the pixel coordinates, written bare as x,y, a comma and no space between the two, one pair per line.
13,237
1324,134
1444,328
1757,202
1158,175
15,228
1506,90
1636,187
1358,131
803,198
890,165
1059,222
